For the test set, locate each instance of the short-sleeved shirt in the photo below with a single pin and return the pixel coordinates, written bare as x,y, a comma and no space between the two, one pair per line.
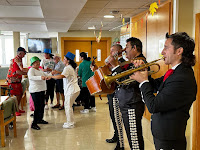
59,67
85,72
15,64
70,82
47,63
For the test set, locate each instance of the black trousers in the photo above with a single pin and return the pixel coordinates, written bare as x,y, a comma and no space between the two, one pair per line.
170,144
87,98
50,90
38,99
132,117
111,110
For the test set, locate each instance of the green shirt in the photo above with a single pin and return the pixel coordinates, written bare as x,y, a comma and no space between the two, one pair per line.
85,72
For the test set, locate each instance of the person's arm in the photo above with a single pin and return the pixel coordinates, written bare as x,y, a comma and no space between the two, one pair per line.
58,76
31,75
80,70
19,68
175,94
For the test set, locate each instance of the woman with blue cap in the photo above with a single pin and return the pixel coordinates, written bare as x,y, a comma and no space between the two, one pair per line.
48,65
71,88
37,88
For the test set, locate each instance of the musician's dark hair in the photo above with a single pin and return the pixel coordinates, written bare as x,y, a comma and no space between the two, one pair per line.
119,47
84,55
136,42
182,39
72,63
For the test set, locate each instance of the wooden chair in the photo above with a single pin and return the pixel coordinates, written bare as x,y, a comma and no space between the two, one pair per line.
7,115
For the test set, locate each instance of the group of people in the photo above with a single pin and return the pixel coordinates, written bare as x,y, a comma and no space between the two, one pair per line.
43,75
175,91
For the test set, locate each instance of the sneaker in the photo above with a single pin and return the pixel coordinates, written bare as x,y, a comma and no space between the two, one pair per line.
21,111
17,114
93,109
68,126
84,111
51,105
69,123
46,107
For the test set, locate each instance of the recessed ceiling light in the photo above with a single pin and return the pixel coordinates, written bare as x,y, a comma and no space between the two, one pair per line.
92,28
109,16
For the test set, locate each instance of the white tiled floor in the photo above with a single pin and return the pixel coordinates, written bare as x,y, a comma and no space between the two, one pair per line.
89,133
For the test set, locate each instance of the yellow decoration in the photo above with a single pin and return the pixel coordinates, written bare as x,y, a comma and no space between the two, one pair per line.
153,8
135,26
123,21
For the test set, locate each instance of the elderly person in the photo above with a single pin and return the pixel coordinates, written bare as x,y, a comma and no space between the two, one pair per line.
14,76
59,66
37,88
48,65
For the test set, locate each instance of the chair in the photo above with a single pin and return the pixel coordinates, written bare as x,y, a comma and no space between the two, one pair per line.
7,115
24,86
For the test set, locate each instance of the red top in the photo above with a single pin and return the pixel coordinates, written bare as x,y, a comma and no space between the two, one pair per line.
12,76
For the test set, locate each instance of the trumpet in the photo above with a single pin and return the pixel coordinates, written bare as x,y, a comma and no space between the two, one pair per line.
109,79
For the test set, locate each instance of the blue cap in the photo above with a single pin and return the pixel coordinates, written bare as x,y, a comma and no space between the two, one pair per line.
48,51
70,55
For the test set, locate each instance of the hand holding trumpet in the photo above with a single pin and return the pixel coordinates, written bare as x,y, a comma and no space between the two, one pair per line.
140,75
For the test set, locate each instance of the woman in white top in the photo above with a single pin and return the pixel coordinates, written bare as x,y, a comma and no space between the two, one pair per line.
71,88
37,88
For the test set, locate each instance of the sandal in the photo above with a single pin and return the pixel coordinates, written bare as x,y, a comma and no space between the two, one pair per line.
56,106
61,107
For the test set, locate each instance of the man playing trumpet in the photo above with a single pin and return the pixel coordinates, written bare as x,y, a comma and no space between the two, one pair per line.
176,91
128,98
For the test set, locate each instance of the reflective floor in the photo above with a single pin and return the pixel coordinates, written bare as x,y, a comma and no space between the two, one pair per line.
89,133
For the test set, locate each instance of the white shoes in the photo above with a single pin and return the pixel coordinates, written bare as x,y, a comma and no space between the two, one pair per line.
93,109
84,111
51,105
68,125
46,107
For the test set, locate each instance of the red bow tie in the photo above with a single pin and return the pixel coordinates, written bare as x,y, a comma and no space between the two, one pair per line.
168,73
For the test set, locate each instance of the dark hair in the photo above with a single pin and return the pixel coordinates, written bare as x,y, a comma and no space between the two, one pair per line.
136,42
72,63
50,55
118,46
84,55
182,39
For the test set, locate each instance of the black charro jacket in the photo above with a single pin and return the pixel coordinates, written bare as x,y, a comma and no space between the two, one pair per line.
170,107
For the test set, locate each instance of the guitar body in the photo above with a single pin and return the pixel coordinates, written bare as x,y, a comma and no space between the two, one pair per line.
96,84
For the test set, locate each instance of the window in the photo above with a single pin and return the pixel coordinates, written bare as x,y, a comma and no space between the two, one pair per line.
6,49
77,55
98,54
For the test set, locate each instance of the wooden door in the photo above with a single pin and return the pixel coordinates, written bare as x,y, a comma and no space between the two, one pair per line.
99,50
88,45
82,46
196,104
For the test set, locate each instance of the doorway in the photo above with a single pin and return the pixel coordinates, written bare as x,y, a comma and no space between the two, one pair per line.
88,45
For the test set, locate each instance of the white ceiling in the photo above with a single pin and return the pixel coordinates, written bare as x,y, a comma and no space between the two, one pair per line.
64,15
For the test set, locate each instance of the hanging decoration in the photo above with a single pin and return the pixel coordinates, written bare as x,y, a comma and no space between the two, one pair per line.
142,23
153,8
127,26
98,38
123,21
158,2
135,26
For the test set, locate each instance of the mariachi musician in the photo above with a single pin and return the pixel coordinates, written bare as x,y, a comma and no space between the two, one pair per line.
128,97
115,51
